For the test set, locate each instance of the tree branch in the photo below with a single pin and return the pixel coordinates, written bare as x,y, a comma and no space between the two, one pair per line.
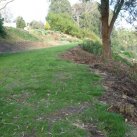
5,3
115,15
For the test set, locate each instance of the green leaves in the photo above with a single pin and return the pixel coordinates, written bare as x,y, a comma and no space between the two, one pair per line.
20,23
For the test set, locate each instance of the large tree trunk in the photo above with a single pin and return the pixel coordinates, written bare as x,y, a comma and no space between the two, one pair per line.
105,30
106,27
107,54
106,41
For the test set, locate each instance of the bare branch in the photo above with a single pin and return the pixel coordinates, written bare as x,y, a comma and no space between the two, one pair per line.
115,15
4,6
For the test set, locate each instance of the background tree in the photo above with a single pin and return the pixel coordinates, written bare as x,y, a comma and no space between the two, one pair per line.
60,6
2,29
87,16
36,25
20,23
3,4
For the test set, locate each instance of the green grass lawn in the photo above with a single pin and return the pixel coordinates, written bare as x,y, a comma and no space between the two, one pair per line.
36,84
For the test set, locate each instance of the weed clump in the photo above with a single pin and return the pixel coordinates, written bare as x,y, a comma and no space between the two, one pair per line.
94,47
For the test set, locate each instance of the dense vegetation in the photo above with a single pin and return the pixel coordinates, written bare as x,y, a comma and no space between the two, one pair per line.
2,29
125,42
64,23
20,23
87,16
60,6
64,19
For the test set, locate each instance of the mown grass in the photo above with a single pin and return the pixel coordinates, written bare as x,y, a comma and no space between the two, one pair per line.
37,84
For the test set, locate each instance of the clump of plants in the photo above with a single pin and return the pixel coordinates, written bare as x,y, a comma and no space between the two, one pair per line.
36,25
64,23
2,29
94,47
20,22
47,26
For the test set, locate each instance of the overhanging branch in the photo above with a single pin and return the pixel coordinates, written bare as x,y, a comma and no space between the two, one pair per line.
4,6
115,15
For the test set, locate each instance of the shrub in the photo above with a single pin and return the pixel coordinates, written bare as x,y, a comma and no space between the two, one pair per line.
20,23
91,46
128,54
36,25
47,26
64,23
2,29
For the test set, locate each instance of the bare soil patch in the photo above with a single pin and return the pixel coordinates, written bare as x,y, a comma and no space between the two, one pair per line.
13,47
121,88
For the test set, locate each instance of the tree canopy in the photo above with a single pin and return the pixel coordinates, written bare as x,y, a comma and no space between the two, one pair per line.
20,23
87,16
60,6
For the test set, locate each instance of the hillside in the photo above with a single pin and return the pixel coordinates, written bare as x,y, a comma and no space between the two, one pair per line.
18,39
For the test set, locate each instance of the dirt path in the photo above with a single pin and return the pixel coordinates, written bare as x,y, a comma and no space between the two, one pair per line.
13,47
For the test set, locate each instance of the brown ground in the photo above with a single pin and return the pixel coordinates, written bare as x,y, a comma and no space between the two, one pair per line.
121,88
25,45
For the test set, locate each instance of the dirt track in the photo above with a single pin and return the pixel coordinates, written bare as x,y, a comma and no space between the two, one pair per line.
22,46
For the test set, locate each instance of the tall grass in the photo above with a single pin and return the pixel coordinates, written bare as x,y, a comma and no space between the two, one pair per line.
15,34
94,47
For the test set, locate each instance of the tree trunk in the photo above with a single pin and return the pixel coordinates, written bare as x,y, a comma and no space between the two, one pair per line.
106,41
105,30
106,27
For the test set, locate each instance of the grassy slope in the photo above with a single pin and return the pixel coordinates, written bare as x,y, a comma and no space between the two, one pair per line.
18,35
37,83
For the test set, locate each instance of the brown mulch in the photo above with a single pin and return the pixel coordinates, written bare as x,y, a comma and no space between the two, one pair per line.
121,88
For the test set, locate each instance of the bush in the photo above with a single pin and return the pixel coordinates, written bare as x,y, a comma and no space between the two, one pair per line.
36,25
47,26
91,46
2,29
20,23
64,23
128,54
